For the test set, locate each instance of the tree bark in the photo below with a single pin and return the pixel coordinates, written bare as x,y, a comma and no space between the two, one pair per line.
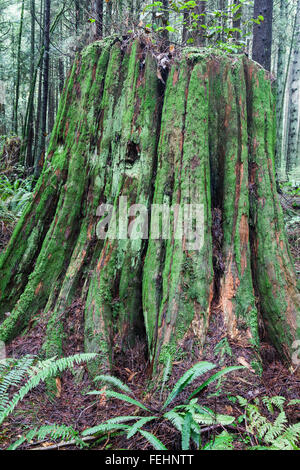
282,70
99,18
18,74
29,126
206,138
293,158
38,164
262,33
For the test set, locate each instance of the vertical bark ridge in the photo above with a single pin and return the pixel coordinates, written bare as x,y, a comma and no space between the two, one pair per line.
180,315
236,291
114,303
58,243
272,265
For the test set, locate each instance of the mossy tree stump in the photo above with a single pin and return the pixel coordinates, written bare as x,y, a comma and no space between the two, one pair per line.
206,137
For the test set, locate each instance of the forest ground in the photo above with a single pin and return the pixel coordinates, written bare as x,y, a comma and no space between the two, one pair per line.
73,407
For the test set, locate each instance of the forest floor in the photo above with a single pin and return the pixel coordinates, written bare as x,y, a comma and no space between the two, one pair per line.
73,407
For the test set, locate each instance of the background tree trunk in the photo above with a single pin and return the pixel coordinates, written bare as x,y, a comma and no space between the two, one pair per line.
282,71
18,74
293,158
262,33
29,126
206,138
45,88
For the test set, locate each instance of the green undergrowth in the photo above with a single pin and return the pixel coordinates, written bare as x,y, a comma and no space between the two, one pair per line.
259,424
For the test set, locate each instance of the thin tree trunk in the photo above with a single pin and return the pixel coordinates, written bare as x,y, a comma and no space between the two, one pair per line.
293,159
18,74
29,128
281,74
98,8
262,33
236,23
42,134
166,19
51,100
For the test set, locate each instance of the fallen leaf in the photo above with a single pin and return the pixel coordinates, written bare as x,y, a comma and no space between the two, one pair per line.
131,376
243,362
58,387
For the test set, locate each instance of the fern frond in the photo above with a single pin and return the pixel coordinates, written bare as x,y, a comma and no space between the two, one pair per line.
110,424
277,401
109,379
136,426
175,418
215,377
43,371
289,439
12,373
119,396
154,441
277,428
54,432
296,401
188,377
223,441
186,431
167,372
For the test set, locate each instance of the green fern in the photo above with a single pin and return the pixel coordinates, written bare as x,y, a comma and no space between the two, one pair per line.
223,441
215,377
120,396
276,401
54,432
186,418
139,424
276,434
193,373
12,373
114,381
36,373
154,441
166,374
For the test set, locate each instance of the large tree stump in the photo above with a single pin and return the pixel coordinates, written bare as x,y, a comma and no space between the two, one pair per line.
205,138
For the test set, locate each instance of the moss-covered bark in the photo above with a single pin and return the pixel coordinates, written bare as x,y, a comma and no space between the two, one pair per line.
206,138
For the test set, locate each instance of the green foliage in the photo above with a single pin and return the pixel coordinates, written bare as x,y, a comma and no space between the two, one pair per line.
187,418
53,432
14,372
223,441
14,195
222,348
274,434
216,26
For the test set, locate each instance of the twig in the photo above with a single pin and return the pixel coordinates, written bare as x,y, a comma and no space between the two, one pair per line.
66,443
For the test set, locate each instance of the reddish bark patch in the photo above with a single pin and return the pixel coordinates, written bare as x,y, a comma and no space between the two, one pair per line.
227,114
38,289
175,77
105,257
50,155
